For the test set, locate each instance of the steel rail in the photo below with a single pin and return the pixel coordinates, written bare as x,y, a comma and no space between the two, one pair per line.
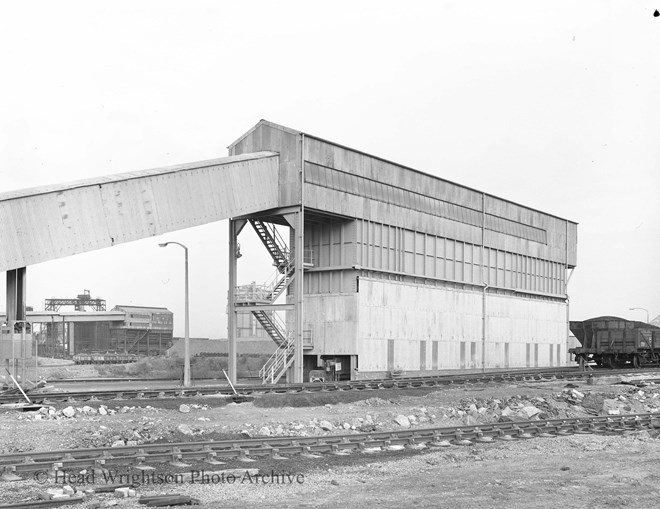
363,385
214,452
36,504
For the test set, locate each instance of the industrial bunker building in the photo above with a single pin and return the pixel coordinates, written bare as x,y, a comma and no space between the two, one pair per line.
381,267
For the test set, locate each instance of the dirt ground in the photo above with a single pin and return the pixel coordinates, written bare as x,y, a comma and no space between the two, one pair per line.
577,471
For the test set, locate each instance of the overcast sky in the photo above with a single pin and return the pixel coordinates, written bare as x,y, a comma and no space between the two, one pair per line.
554,105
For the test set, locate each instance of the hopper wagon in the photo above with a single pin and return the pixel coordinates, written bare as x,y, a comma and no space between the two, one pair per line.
615,342
104,358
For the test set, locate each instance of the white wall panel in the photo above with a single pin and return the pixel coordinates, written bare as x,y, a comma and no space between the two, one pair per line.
332,320
414,315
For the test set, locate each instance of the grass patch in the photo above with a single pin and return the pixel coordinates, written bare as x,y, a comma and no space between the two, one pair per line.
60,374
172,367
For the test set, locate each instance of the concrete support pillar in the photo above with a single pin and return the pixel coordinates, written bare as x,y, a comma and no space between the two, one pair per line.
16,291
65,340
72,338
231,307
484,328
299,255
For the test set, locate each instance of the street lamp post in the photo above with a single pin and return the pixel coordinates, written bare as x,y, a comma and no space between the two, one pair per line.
186,339
642,309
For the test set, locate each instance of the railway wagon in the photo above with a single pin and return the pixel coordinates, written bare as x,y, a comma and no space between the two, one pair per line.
614,342
104,358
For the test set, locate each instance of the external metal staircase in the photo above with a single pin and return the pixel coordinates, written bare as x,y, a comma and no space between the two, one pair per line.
281,360
278,363
274,243
273,326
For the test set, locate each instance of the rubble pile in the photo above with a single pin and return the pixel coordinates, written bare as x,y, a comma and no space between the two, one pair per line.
104,426
312,427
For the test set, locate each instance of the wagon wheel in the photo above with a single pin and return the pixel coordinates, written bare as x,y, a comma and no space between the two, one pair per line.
637,361
611,362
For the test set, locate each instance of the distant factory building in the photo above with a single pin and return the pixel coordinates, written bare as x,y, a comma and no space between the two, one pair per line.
125,329
145,330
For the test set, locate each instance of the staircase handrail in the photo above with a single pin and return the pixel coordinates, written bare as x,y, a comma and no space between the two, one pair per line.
274,367
252,293
276,278
279,241
279,324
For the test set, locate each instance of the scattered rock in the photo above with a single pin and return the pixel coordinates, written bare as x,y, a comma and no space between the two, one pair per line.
612,407
326,425
530,411
184,409
470,420
507,412
68,412
402,421
185,429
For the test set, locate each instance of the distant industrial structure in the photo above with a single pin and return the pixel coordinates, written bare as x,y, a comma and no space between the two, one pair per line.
80,303
130,329
380,267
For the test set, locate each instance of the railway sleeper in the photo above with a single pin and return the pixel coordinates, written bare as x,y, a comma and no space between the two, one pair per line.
9,474
369,450
176,458
415,445
307,453
340,445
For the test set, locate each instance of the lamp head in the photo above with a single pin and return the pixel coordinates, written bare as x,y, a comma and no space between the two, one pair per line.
163,244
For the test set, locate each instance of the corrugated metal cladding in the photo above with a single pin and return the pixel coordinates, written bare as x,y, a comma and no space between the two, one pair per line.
385,248
363,187
343,181
42,224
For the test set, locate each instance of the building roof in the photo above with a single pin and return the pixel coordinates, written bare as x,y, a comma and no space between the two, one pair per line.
130,175
296,132
129,308
71,316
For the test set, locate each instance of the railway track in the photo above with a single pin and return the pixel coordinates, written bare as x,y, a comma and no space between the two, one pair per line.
358,385
145,458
